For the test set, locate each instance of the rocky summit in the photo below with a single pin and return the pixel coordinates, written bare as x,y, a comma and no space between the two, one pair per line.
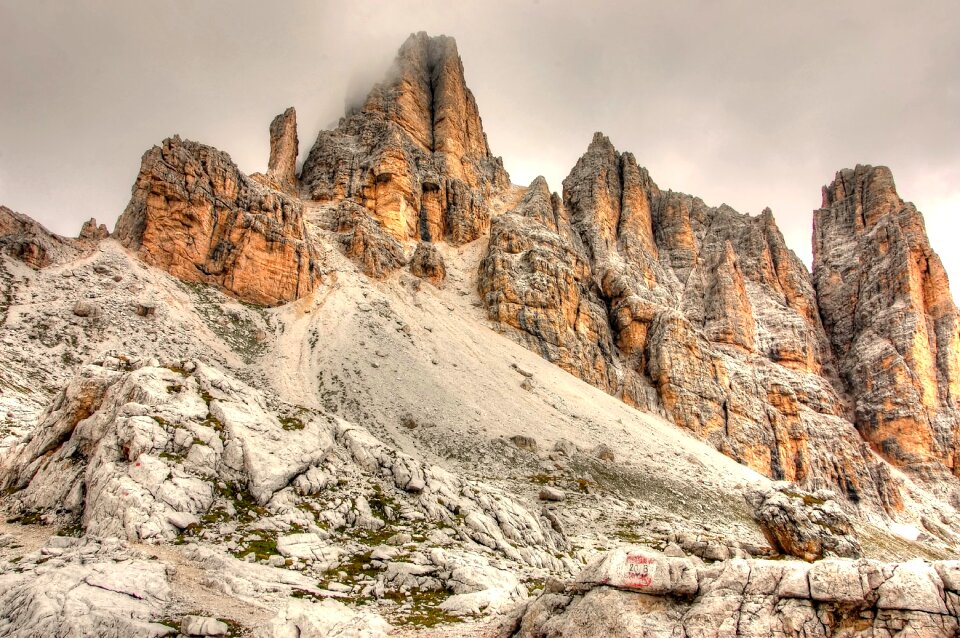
395,394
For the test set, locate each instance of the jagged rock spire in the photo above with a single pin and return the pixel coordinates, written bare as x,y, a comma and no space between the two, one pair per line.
415,153
284,147
893,325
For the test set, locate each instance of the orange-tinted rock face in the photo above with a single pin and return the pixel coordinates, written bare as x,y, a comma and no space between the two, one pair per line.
284,147
415,154
892,322
364,241
427,263
701,313
194,214
535,282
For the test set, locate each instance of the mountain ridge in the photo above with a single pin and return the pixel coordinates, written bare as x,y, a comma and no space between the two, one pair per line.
362,295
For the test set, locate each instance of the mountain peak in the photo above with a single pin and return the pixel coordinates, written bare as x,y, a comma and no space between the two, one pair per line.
415,154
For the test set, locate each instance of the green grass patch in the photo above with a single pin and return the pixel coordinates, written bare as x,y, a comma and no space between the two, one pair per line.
290,423
245,505
424,608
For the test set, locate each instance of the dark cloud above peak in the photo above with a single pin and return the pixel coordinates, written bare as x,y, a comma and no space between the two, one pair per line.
749,103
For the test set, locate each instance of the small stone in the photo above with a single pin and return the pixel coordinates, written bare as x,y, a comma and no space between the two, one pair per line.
182,520
604,452
524,442
552,494
86,309
674,551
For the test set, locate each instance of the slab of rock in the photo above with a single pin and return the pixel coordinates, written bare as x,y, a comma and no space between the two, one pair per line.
743,598
802,524
306,619
89,590
306,546
203,626
915,585
643,570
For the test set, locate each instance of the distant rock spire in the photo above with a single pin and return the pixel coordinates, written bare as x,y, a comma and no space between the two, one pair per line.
284,147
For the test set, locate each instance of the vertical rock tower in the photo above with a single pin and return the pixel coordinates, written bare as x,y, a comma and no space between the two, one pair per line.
415,154
892,322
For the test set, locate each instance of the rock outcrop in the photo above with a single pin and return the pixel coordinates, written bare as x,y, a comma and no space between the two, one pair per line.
638,592
427,263
801,524
536,282
364,240
700,313
26,240
91,231
281,172
153,453
195,215
893,325
414,154
284,147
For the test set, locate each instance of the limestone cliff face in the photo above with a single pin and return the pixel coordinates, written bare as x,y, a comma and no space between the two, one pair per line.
536,282
194,214
415,154
281,172
893,326
698,312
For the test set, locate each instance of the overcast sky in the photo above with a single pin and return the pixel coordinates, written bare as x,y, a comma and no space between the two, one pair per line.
749,103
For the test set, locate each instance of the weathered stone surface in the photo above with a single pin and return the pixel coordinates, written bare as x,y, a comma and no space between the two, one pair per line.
427,263
93,232
364,240
139,452
892,322
536,283
86,309
284,147
700,313
808,526
414,154
319,620
92,589
742,598
203,626
24,239
194,214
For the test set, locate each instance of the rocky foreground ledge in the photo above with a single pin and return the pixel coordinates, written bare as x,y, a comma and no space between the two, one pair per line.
640,592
